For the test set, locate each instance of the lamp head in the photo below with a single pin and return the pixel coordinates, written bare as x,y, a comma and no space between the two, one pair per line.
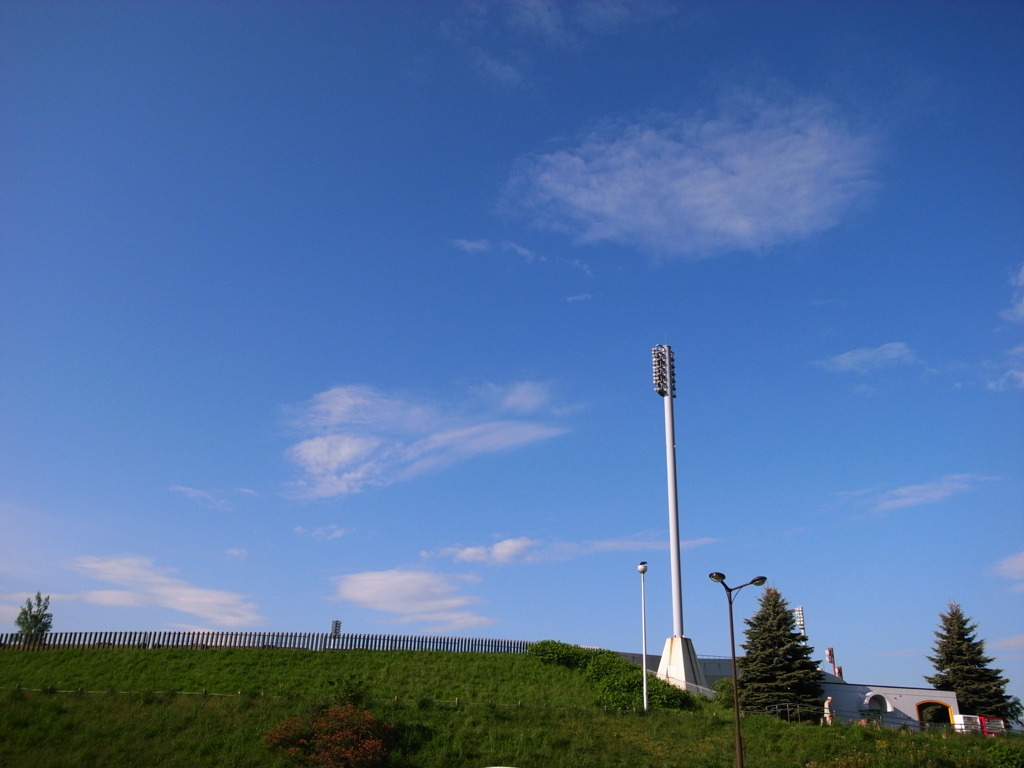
642,568
664,370
716,576
759,581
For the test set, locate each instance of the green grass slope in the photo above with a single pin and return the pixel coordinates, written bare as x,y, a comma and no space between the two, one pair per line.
176,707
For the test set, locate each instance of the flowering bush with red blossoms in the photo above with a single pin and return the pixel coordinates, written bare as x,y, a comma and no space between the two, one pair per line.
335,737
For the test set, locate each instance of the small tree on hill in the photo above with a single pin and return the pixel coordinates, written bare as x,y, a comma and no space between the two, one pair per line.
34,619
723,692
962,666
777,667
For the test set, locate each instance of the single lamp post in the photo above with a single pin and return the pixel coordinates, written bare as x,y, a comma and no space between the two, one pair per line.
729,592
642,569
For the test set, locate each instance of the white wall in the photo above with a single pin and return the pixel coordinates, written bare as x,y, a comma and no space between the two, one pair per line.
895,706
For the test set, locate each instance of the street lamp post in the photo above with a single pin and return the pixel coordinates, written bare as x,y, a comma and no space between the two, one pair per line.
642,569
729,592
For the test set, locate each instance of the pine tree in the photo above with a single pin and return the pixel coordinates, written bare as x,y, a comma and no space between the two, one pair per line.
777,667
961,666
35,620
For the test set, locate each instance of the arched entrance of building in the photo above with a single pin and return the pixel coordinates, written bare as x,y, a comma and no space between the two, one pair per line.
877,703
934,713
873,707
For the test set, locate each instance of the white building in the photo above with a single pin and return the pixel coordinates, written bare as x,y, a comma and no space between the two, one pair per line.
887,705
890,706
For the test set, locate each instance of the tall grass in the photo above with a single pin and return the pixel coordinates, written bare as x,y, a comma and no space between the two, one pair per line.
453,710
412,675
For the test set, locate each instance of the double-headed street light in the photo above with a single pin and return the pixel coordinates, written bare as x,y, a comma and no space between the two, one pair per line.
729,592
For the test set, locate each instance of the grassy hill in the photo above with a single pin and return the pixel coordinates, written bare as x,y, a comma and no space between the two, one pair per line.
76,708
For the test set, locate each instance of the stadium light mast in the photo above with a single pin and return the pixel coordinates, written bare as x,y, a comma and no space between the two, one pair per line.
679,664
665,385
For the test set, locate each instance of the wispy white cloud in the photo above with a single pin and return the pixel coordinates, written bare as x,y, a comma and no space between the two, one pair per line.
323,532
413,596
503,37
523,397
116,598
237,552
1012,569
524,253
607,15
369,439
869,359
583,267
1015,312
501,71
555,24
148,585
541,19
212,499
362,406
1010,372
1011,643
759,172
567,26
472,246
505,551
526,550
925,493
505,247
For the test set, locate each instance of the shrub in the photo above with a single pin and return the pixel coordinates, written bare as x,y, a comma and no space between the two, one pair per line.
668,696
723,692
603,665
336,737
563,654
1003,755
349,689
619,682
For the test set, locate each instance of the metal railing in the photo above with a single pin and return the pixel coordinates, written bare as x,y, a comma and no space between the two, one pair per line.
308,641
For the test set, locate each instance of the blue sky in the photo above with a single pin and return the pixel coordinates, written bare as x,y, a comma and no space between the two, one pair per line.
319,311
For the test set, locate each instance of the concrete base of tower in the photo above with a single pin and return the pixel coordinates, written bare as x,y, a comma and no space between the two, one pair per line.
679,666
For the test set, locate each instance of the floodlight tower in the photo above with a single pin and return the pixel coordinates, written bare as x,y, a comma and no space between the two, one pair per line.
679,660
664,365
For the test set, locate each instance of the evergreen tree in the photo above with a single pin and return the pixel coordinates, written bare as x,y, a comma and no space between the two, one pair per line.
777,667
35,620
962,666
